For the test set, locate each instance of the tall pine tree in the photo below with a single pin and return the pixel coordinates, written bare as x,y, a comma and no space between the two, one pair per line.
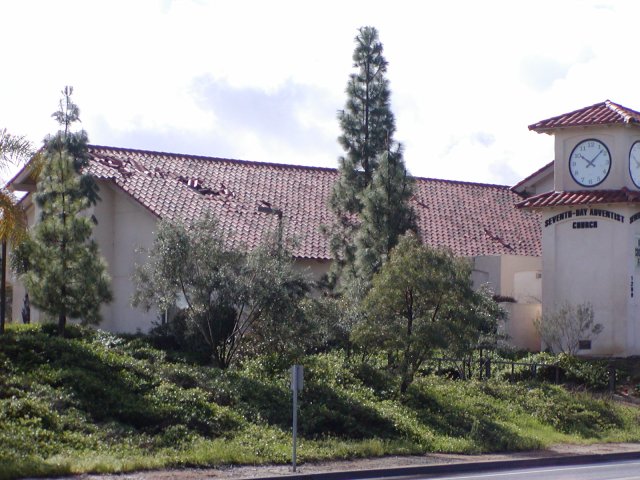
386,214
368,202
59,263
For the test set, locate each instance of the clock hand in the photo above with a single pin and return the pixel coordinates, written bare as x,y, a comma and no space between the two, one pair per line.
590,163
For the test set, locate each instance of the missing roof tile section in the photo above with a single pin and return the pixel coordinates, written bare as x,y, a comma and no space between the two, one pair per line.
128,167
266,207
199,186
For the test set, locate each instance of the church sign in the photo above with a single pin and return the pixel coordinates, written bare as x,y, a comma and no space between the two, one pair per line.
586,212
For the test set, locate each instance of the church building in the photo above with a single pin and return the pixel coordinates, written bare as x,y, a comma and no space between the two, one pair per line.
589,221
566,233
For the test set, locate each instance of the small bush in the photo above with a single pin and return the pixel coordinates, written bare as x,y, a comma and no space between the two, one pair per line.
592,374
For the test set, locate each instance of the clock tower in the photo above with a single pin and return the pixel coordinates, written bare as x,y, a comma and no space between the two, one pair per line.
591,222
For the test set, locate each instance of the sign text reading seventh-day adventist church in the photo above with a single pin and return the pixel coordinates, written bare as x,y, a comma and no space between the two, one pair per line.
584,212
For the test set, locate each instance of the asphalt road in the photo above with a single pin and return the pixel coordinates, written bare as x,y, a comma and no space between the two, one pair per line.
624,470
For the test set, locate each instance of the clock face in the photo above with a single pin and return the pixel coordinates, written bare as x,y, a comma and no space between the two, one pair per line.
634,163
590,163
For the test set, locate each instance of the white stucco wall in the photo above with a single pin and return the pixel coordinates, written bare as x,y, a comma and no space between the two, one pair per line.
519,327
123,227
595,265
519,277
315,269
546,184
486,271
516,276
541,181
527,285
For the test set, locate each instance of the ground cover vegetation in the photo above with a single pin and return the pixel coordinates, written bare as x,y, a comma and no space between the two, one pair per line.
59,414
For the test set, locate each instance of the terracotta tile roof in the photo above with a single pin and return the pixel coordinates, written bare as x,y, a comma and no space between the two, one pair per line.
471,219
581,197
605,113
474,219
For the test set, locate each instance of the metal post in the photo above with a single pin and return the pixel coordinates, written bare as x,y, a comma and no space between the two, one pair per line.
297,380
612,379
295,419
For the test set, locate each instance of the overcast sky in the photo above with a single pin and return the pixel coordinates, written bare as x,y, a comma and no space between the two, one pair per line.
263,80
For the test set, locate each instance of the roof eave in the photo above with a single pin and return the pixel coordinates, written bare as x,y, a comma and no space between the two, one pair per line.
22,181
534,177
603,197
550,130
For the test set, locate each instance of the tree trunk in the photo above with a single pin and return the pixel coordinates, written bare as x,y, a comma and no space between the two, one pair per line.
3,287
62,322
405,383
407,374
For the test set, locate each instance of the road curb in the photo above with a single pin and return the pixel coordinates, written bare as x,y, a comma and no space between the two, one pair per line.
453,468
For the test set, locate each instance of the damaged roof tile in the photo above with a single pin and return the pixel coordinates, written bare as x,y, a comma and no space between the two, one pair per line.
468,218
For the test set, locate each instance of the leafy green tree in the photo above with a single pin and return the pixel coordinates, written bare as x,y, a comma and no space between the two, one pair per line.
59,263
225,295
366,201
422,300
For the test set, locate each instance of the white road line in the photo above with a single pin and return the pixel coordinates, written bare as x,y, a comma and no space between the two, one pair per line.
546,470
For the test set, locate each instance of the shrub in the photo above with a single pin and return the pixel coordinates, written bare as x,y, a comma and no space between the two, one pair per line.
592,374
563,329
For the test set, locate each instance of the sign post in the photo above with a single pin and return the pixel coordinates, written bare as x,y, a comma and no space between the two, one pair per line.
297,380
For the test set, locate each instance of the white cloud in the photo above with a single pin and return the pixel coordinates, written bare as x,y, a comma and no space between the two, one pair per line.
466,77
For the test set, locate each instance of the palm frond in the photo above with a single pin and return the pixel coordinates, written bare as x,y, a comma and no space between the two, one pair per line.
13,225
13,148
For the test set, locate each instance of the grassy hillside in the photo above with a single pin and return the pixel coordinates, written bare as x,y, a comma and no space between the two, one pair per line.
97,402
